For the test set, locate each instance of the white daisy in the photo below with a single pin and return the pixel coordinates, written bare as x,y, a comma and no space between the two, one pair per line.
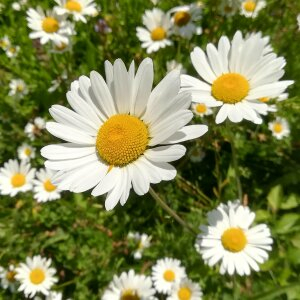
174,65
12,51
7,277
201,109
115,131
167,272
18,88
237,74
77,8
129,286
54,296
185,290
44,189
34,129
184,19
158,30
229,8
55,84
142,241
35,276
61,47
229,239
251,8
196,154
280,128
5,43
48,27
26,152
15,178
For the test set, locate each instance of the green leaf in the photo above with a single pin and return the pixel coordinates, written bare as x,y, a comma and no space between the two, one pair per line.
296,240
286,222
291,202
275,197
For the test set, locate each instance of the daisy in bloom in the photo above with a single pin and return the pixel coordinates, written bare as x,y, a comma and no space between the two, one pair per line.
4,43
119,135
235,75
48,27
7,277
26,152
15,178
143,241
18,88
36,275
12,51
229,8
184,19
55,84
129,286
44,189
174,65
158,30
280,128
35,128
229,238
185,290
251,8
200,109
167,272
77,8
62,47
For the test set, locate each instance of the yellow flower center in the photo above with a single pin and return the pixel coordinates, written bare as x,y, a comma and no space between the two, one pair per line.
181,18
130,295
169,275
3,44
184,293
73,5
37,276
264,99
10,276
234,239
158,34
12,50
249,6
201,108
27,151
50,25
230,88
20,87
18,180
48,186
122,139
277,127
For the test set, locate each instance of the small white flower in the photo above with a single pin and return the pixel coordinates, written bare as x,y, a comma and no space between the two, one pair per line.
35,128
230,239
77,8
12,51
129,286
54,296
184,20
229,8
251,8
57,82
26,152
174,65
167,272
36,275
5,43
7,277
143,241
185,290
61,47
201,109
15,178
196,154
280,128
18,88
158,30
16,6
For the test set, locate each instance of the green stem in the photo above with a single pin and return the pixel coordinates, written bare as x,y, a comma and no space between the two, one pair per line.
235,288
171,212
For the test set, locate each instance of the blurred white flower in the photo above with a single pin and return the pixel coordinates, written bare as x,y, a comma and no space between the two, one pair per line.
8,280
174,65
57,82
251,8
185,290
142,241
228,8
35,128
26,152
5,43
18,88
280,128
12,51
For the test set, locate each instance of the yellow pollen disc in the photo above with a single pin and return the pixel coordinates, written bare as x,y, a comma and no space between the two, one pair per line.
249,6
122,139
158,34
201,108
48,186
169,275
73,5
37,276
230,88
264,99
277,127
234,239
27,151
181,18
129,295
20,87
50,25
184,293
12,50
10,276
18,180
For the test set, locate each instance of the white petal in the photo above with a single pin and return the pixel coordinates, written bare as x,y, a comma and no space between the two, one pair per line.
165,153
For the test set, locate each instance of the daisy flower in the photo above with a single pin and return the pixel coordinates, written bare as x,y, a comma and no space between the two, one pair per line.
7,277
36,275
251,8
44,189
143,241
228,8
129,286
167,272
196,154
12,51
15,178
158,30
174,65
62,47
48,27
200,109
55,83
280,128
4,43
184,20
229,238
77,8
35,128
235,75
26,152
18,88
185,290
119,135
